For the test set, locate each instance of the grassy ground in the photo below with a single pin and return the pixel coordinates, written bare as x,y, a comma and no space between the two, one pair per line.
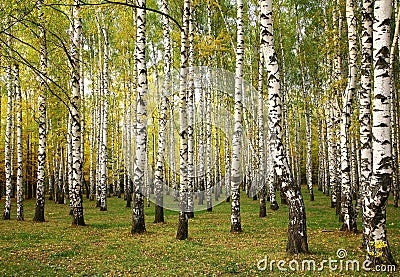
106,248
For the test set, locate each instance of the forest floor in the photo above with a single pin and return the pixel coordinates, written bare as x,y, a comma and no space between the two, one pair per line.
105,246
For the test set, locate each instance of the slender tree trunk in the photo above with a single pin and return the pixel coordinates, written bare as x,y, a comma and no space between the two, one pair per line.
190,117
346,196
18,106
208,102
261,138
159,181
297,232
40,197
182,232
104,133
7,154
377,194
138,224
76,182
394,111
236,225
308,119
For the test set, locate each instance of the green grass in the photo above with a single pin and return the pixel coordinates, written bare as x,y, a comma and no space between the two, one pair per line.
106,248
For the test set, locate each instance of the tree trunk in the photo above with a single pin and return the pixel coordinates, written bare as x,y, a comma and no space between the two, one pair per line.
40,197
104,132
138,223
76,181
208,102
190,117
297,232
182,232
346,195
7,151
375,201
236,225
18,106
261,138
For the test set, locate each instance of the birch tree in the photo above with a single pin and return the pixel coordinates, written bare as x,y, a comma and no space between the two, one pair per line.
162,123
104,126
346,197
40,197
236,178
138,224
76,180
7,151
182,232
365,105
18,106
297,232
190,115
377,194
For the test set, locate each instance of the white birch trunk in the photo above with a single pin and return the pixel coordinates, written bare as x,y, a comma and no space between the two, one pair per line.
7,154
104,133
377,194
182,232
236,178
40,197
76,182
297,233
138,224
346,195
18,107
190,117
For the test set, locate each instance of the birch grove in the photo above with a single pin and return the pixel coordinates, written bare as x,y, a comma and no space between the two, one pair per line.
215,106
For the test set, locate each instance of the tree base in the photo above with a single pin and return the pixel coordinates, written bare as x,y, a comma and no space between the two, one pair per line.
51,197
77,219
183,227
138,227
263,211
333,205
255,197
344,228
128,201
159,214
103,209
312,197
228,199
39,214
274,206
297,244
190,214
236,227
6,216
284,201
209,209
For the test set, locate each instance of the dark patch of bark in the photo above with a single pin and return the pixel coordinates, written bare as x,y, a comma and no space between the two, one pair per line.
183,228
236,227
190,214
159,214
77,218
6,216
39,213
274,206
128,200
